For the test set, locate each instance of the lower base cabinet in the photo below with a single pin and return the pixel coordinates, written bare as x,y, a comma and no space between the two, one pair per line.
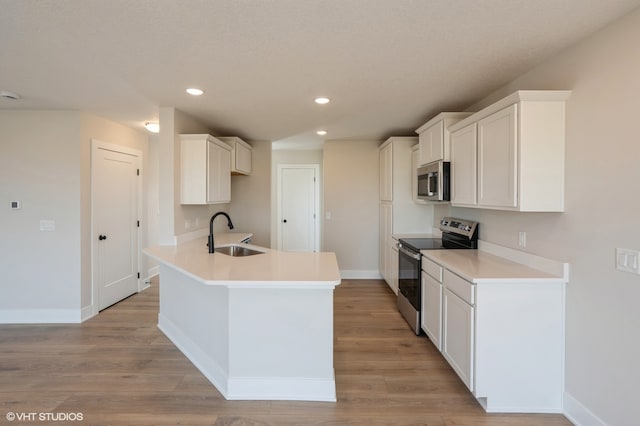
432,309
504,338
458,325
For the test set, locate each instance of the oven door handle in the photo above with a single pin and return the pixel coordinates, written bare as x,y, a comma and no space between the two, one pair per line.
416,256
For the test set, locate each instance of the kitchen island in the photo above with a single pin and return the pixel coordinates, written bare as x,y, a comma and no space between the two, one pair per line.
258,327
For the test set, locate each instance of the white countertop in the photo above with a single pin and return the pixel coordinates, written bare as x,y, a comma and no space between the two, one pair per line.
267,268
478,266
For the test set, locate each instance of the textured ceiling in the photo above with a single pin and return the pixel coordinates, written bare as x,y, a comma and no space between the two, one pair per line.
387,65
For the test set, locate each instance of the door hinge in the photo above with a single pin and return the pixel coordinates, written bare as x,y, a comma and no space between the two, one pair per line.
137,172
138,275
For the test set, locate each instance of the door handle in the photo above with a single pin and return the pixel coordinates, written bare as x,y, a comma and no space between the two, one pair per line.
102,237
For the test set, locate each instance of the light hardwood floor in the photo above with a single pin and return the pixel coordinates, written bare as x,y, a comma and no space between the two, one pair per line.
119,369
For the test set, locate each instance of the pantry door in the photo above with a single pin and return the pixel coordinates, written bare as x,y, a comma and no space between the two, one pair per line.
298,212
115,178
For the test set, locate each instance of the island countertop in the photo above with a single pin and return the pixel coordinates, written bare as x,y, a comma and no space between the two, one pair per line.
271,267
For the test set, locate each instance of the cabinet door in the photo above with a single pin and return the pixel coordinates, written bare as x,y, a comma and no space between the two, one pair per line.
432,144
393,258
386,173
386,217
458,343
218,174
464,166
432,309
242,156
497,159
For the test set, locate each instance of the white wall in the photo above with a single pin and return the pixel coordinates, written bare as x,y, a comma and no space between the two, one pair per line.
250,196
351,196
174,216
602,213
46,164
40,167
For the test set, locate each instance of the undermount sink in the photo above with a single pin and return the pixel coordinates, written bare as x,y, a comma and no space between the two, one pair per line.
237,251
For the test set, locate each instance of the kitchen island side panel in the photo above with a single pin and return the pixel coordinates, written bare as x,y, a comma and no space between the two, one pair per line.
195,318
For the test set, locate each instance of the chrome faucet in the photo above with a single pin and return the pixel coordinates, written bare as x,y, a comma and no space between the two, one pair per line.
229,224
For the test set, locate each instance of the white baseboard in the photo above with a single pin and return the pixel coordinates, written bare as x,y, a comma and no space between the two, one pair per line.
360,274
40,316
282,389
86,313
578,414
152,272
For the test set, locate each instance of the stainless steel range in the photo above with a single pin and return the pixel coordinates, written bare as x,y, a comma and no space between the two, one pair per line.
456,234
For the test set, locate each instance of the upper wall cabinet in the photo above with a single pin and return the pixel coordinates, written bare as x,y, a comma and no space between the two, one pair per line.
433,137
510,155
240,155
205,170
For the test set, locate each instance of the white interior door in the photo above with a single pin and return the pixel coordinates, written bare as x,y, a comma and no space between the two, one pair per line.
115,192
298,211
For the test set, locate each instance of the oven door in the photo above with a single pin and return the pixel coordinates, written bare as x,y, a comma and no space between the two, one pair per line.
409,300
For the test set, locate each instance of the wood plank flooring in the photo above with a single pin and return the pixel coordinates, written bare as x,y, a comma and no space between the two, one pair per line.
119,369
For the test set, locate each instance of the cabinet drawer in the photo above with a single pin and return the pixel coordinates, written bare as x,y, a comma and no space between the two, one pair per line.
460,287
432,268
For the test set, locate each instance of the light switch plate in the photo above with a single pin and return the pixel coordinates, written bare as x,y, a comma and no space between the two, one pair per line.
628,260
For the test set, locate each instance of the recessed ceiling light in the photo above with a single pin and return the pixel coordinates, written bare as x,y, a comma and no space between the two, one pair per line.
194,91
321,132
9,95
152,126
322,100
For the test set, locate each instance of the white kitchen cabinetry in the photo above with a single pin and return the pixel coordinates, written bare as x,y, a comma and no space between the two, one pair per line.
431,319
434,135
510,155
497,159
240,155
502,327
386,173
458,318
386,244
415,154
464,190
399,214
205,170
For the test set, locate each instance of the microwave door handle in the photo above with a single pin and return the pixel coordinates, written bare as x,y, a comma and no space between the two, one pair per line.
429,192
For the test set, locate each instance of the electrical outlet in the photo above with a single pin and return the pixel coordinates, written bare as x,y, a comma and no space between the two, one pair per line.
47,225
522,239
628,260
187,224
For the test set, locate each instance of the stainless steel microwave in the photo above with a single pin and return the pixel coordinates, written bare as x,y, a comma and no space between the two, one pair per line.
433,181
